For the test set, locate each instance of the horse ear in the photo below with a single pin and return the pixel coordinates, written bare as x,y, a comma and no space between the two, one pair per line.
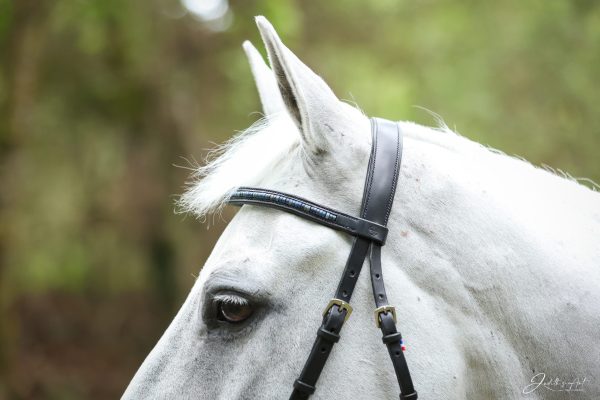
311,103
269,94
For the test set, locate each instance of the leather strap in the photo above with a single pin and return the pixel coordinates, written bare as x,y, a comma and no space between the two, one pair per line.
383,191
306,209
370,233
383,170
386,321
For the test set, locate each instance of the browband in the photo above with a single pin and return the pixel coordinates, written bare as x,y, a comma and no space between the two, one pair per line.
369,233
309,210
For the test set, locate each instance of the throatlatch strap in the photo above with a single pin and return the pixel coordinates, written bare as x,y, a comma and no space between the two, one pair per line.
370,232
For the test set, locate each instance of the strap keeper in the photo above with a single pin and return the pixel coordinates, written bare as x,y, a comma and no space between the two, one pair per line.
328,336
303,387
391,338
372,231
412,396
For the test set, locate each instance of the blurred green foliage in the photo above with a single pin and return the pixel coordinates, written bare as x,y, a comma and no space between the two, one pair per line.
100,99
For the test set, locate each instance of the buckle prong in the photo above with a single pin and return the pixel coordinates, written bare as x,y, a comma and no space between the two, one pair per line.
384,310
342,305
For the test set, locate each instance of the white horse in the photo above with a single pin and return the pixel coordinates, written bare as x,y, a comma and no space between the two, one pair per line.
492,263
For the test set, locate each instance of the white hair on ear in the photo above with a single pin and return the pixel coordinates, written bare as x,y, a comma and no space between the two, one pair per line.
244,160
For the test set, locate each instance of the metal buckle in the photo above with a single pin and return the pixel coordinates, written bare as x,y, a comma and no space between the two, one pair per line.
384,310
342,305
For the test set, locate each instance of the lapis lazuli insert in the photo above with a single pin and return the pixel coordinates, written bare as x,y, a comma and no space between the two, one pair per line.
286,201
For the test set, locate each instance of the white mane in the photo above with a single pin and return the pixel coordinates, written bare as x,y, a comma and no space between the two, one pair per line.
474,151
249,157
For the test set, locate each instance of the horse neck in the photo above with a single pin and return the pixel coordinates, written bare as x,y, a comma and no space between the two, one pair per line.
467,217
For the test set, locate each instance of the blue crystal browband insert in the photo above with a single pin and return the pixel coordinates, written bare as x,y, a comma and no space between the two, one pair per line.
307,209
284,201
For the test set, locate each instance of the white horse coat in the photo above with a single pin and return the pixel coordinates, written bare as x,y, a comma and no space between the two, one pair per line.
493,264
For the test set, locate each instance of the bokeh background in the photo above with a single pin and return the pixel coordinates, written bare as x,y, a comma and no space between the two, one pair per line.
102,100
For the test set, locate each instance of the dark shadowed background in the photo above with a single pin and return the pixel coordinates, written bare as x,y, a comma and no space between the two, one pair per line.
100,99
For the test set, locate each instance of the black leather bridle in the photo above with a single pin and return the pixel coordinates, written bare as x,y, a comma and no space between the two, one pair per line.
370,232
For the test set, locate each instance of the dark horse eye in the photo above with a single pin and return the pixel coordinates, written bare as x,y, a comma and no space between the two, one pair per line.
233,312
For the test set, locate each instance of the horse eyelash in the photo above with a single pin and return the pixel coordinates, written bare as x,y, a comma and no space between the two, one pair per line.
231,299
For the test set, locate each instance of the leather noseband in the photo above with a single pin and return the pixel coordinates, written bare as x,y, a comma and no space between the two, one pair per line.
369,233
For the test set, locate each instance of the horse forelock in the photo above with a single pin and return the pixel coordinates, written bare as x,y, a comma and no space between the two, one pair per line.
245,160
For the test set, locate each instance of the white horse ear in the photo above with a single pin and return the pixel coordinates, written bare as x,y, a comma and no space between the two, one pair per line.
311,103
269,94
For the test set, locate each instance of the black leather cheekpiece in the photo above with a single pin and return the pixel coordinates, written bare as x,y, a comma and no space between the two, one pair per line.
369,233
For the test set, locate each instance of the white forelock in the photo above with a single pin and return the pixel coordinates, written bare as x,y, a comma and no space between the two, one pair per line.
245,160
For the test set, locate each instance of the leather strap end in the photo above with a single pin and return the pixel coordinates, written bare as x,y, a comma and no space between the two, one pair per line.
391,338
411,396
303,387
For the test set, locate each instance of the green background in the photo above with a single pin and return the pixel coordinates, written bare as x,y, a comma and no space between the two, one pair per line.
101,100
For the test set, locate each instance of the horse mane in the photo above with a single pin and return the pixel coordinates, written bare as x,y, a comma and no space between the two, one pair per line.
445,137
253,154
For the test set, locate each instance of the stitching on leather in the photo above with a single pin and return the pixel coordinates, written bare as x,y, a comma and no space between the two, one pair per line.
396,173
371,169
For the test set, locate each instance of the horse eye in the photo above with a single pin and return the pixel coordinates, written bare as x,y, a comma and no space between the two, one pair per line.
233,312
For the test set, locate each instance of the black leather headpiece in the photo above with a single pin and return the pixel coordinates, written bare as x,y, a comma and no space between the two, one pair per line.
370,232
